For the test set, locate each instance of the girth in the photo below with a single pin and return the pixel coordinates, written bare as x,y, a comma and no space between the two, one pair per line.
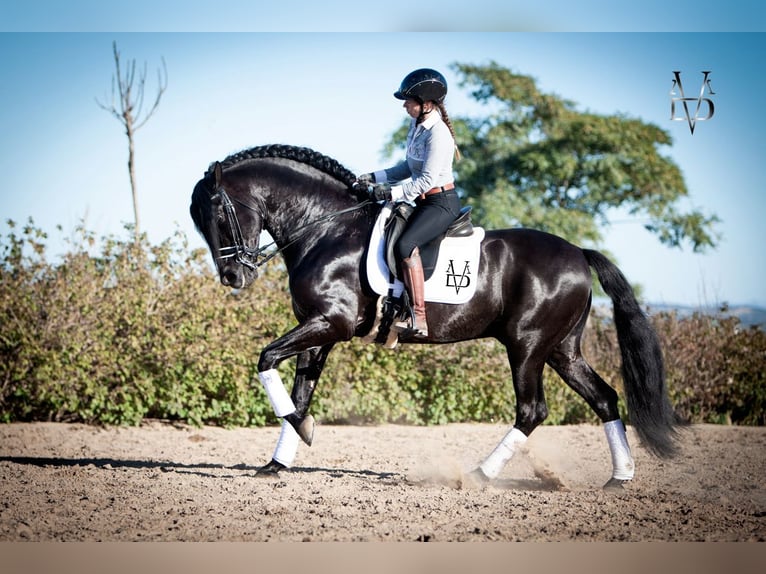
429,253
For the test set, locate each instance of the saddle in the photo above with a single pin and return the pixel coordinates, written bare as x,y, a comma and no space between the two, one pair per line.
450,264
429,253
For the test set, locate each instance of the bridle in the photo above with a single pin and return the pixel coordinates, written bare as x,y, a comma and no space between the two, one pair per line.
251,257
240,251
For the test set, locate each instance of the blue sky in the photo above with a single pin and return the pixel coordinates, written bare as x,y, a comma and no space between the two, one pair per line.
63,158
393,15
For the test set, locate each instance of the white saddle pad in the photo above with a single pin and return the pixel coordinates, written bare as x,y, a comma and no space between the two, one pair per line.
454,278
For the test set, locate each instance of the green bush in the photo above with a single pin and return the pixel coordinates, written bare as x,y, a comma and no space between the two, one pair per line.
134,332
715,367
116,331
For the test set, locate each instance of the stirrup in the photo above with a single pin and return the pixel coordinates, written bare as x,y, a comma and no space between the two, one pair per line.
407,326
407,330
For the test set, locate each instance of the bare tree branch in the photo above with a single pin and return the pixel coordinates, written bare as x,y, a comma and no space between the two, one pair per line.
129,110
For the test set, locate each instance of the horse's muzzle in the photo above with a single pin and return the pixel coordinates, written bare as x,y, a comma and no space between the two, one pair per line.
237,278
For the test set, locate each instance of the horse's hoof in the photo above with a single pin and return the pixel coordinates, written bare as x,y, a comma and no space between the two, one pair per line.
615,484
306,429
271,469
304,426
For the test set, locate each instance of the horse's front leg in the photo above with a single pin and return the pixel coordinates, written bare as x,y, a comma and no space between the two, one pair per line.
298,424
307,372
318,340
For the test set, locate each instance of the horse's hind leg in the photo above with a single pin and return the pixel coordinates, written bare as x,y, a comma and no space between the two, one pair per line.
531,410
569,363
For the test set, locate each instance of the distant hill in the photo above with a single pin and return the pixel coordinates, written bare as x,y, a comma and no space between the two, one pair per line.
747,314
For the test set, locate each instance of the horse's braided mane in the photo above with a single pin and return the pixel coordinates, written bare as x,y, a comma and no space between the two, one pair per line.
300,154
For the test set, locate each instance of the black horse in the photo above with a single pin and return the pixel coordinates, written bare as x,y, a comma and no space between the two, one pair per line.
533,295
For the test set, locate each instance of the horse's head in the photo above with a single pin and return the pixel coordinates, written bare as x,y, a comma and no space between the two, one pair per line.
231,227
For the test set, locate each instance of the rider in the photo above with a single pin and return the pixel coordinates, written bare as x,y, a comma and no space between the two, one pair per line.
430,186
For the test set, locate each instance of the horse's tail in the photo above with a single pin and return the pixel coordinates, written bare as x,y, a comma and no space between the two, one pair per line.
643,371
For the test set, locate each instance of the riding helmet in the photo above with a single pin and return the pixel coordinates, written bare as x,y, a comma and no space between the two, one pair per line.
423,84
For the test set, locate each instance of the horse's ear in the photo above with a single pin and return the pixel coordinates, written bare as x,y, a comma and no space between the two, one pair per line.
218,174
214,171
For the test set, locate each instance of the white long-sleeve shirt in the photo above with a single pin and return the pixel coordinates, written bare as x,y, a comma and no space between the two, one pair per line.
430,150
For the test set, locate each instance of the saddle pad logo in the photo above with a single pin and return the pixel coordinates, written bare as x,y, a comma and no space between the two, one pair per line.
458,281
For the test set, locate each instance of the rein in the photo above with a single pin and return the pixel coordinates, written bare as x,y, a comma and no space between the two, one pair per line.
248,256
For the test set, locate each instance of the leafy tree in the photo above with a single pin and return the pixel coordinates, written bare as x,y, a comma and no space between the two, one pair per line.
535,161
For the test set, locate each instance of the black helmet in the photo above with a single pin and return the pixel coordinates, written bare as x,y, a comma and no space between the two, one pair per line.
423,85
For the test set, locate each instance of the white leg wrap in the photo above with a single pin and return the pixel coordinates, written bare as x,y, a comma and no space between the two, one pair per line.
503,452
275,390
287,445
622,461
